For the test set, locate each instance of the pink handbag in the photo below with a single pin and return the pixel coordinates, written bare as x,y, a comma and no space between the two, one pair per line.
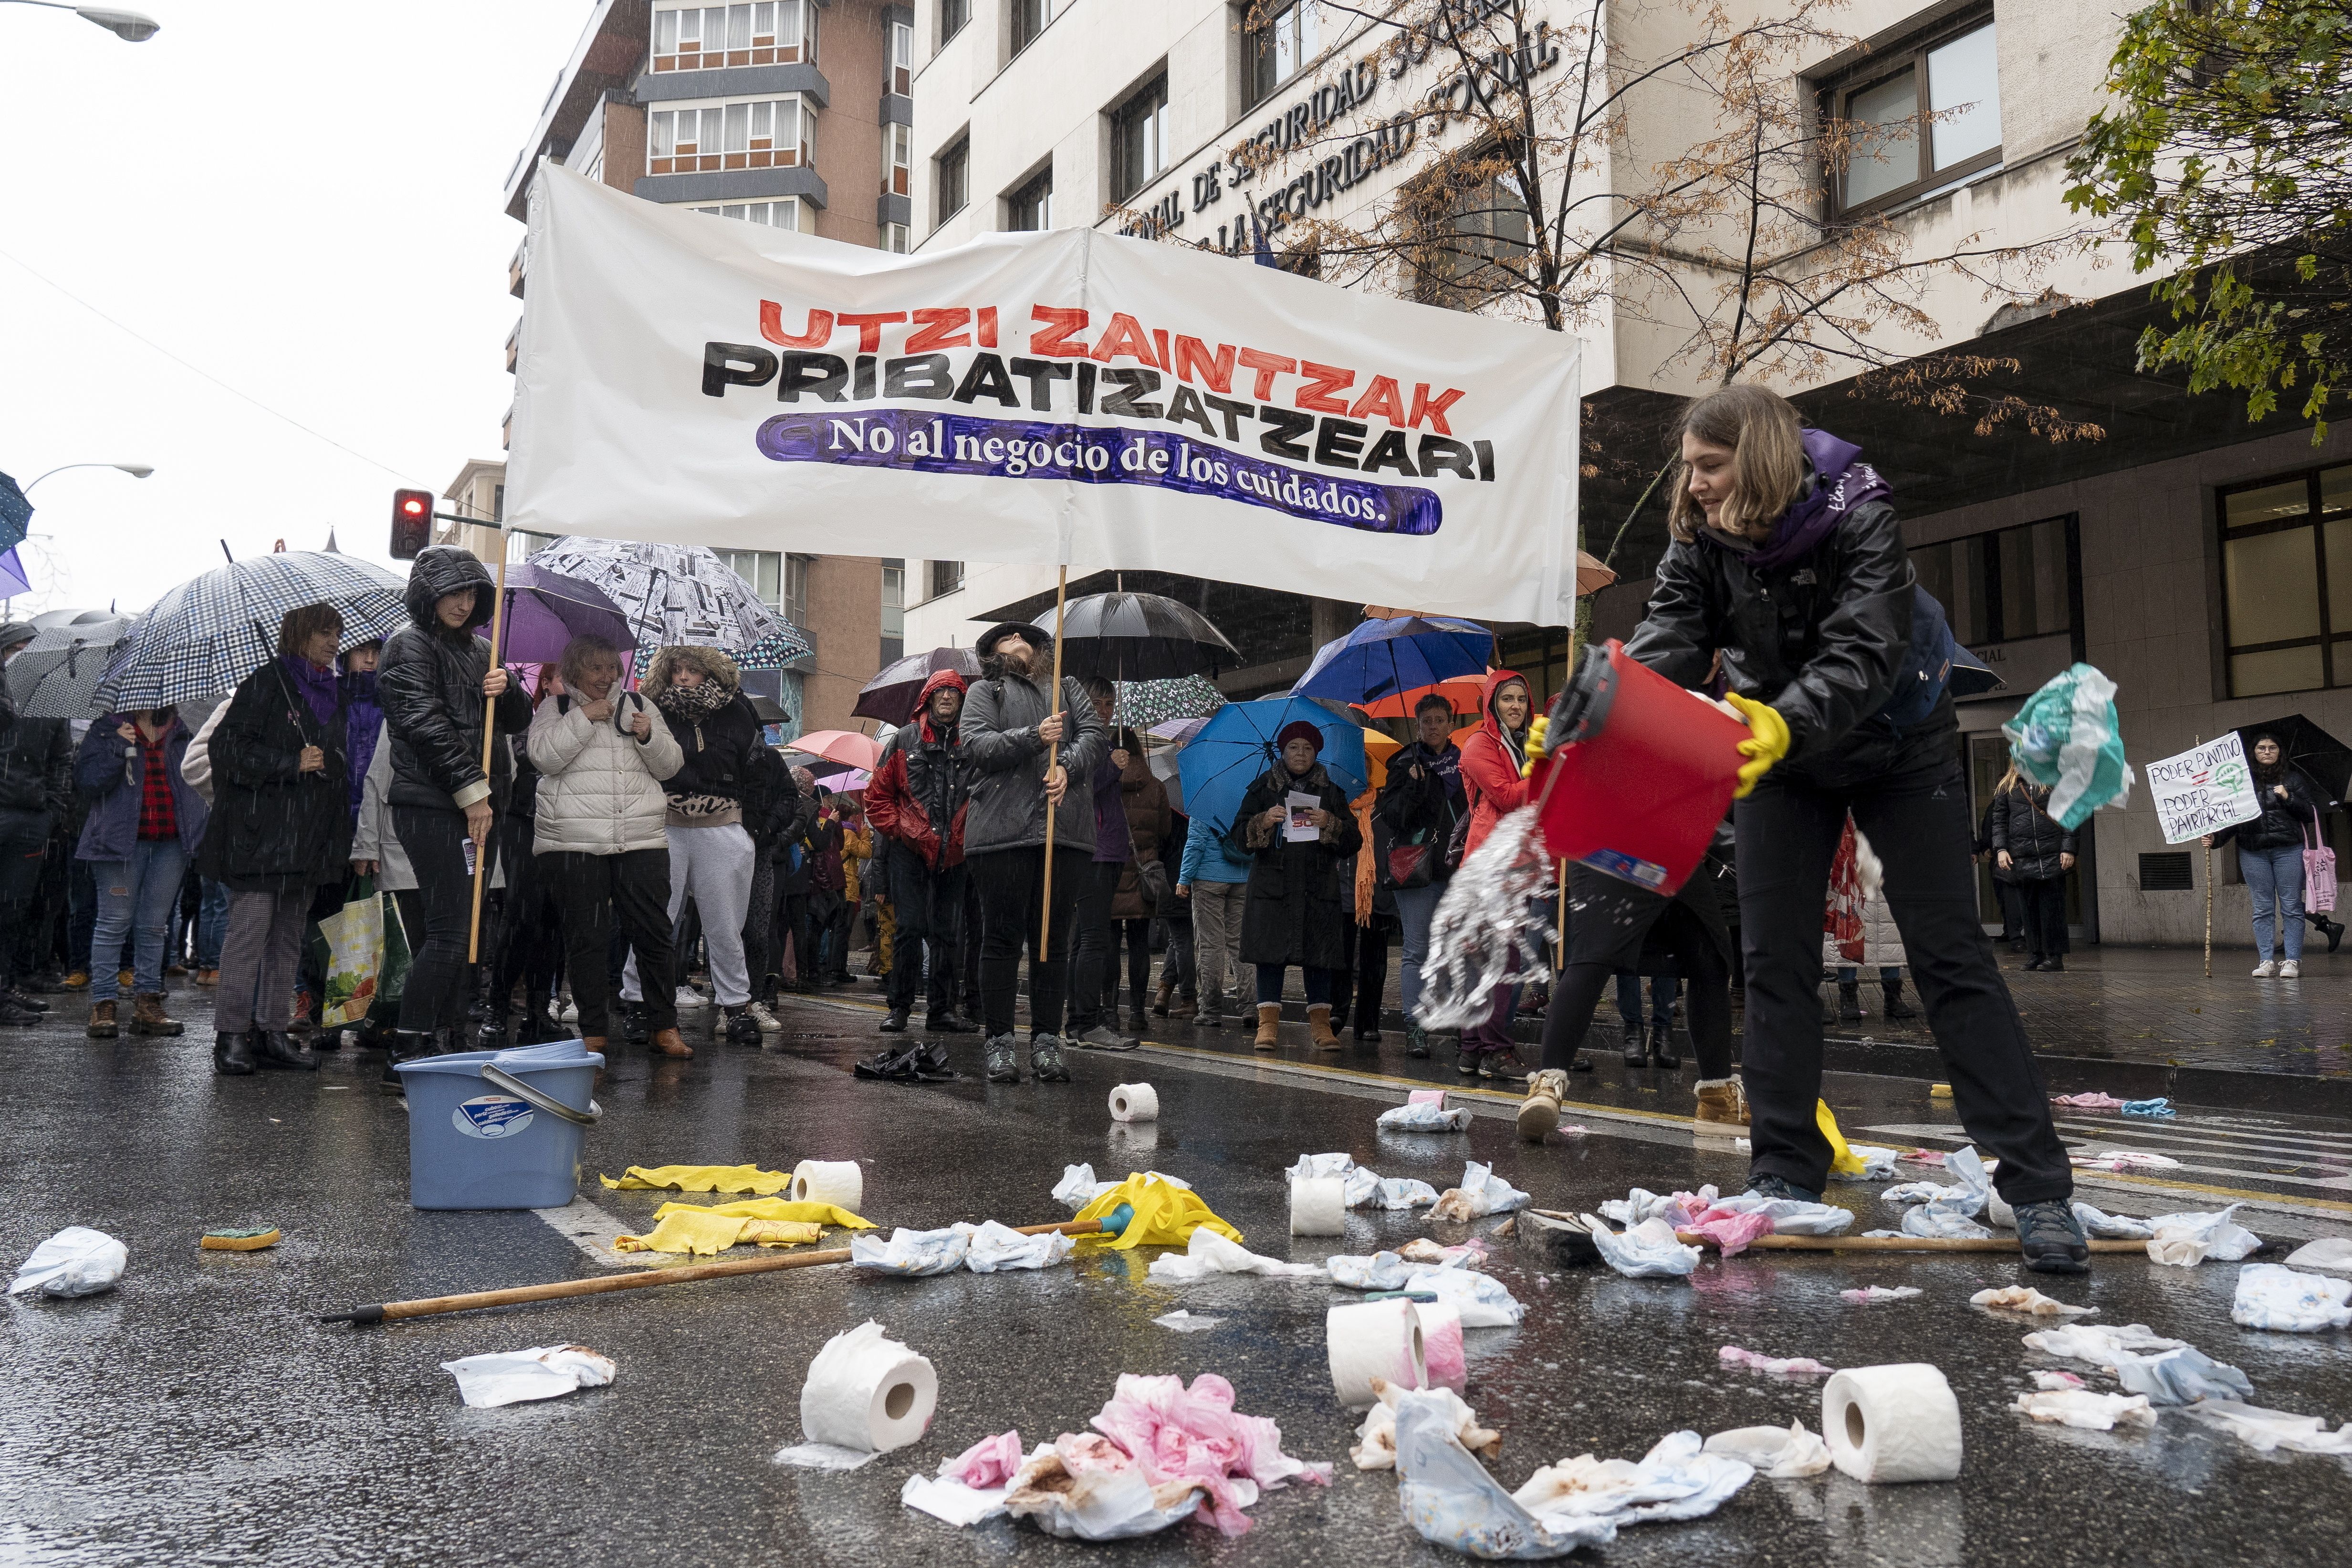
2318,872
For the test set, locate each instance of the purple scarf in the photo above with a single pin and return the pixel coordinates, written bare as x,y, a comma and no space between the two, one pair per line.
365,725
1842,483
317,686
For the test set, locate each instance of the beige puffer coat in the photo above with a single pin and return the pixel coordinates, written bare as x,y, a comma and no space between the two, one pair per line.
600,787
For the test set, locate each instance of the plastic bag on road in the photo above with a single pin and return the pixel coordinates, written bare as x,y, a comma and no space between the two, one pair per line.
1776,1455
2270,1296
913,1254
76,1261
544,1372
1450,1500
1646,1251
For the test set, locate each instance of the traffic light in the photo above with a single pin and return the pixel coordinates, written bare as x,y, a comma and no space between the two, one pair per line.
412,523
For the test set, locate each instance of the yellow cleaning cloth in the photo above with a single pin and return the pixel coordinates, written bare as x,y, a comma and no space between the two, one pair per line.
700,1179
772,1209
699,1230
1843,1161
1165,1214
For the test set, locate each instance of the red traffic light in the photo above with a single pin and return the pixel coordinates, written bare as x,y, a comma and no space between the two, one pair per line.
412,524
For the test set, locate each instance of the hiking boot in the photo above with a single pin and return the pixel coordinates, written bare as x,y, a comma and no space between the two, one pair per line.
1849,1000
1002,1068
1501,1067
1723,1100
1319,1029
1185,1010
665,1043
147,1016
1416,1040
1163,997
949,1022
231,1055
633,1022
1269,1026
895,1024
1101,1038
1539,1112
80,980
275,1048
405,1045
101,1022
1771,1186
1662,1044
1896,1006
1046,1059
2052,1238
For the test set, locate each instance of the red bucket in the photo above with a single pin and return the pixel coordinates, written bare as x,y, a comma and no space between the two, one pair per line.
1645,776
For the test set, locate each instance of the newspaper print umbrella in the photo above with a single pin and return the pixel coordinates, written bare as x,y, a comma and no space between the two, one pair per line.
204,636
56,675
678,595
1144,704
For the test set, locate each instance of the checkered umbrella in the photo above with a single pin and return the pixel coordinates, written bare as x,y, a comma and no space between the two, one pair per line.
678,595
204,636
56,675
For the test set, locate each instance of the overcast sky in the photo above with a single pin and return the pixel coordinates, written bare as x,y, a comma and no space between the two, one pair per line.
303,199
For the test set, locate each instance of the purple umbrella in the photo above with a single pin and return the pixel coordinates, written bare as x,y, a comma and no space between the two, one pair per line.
544,611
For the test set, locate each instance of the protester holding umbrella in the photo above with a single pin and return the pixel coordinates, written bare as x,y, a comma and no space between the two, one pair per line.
1427,812
35,792
144,822
433,682
2270,857
917,803
1299,856
280,828
1014,716
600,835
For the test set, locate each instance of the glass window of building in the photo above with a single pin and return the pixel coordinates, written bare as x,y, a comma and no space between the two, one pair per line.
1139,135
796,589
947,576
1030,18
894,609
2286,583
708,38
1914,117
762,572
1473,243
768,134
955,179
1283,40
898,159
2003,587
1031,207
783,214
954,15
900,76
894,238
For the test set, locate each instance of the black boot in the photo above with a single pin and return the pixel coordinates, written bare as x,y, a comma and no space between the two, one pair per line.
895,1024
275,1048
633,1022
1662,1043
1896,1006
400,1045
1849,1000
1636,1054
231,1055
2334,931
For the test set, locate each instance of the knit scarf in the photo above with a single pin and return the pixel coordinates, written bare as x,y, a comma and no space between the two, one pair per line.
1840,483
693,702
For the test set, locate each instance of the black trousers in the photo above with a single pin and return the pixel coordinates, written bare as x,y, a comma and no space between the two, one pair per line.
792,921
1367,951
1916,814
598,893
24,854
1012,884
435,839
530,947
1136,937
762,951
972,925
2012,911
1093,957
930,934
2045,916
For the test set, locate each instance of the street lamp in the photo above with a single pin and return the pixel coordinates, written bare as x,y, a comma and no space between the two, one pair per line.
129,26
136,470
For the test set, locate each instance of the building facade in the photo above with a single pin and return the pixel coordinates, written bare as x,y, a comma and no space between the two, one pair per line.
794,113
2202,561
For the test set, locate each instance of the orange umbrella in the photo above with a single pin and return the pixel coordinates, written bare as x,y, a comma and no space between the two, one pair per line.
1379,747
1462,692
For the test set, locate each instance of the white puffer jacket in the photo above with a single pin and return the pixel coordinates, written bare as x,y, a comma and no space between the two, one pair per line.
600,787
1882,942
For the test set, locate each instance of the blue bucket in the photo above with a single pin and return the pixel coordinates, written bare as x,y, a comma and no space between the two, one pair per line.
500,1130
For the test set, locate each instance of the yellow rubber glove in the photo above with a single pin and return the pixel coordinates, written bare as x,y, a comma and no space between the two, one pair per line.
1843,1161
1536,749
1766,743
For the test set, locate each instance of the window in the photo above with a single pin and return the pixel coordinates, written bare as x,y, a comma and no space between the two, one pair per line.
2286,583
1030,18
900,76
2003,586
796,589
784,213
707,38
894,238
898,159
1477,242
1031,207
1139,140
893,610
954,15
955,179
761,571
947,576
1914,117
1284,43
770,133
498,503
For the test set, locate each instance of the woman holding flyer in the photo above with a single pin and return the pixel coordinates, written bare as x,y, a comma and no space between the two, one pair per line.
1300,839
2270,857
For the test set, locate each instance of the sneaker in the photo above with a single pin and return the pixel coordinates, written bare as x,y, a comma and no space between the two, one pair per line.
2052,1238
570,1014
1771,1186
768,1022
15,1018
16,996
2291,969
1500,1067
1046,1059
1416,1040
688,997
1101,1038
2267,970
743,1029
1002,1066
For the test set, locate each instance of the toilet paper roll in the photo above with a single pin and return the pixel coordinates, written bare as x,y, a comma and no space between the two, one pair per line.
1896,1423
1319,1205
1441,1346
840,1182
1374,1339
867,1392
1135,1103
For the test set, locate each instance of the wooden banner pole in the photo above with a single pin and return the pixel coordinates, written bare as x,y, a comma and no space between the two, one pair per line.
489,739
1053,757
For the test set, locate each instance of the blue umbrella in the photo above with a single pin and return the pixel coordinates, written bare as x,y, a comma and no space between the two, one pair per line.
1381,658
1235,747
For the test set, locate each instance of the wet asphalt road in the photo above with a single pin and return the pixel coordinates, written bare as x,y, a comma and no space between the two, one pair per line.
198,1414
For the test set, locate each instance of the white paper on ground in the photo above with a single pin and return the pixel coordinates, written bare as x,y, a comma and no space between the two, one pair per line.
1482,1300
2101,1344
1425,1119
1482,1192
2185,1240
1078,1187
2327,1252
1208,1253
1778,1455
1401,1193
2270,1429
1677,1479
1646,1251
2270,1296
1379,1271
953,1501
913,1254
823,1457
1789,1216
1930,1222
2111,1227
2093,1412
1870,1295
2025,1298
76,1261
997,1248
542,1372
1184,1322
2181,1378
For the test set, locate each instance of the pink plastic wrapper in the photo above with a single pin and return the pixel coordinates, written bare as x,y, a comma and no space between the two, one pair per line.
1732,1232
1441,1347
2092,1102
987,1464
1196,1435
1778,1366
1435,1097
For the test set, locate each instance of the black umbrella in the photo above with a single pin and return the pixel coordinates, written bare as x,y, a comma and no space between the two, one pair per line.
1137,637
890,696
57,675
2325,760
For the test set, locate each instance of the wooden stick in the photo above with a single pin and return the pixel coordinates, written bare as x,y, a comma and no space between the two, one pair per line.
1052,753
2209,912
489,739
432,1306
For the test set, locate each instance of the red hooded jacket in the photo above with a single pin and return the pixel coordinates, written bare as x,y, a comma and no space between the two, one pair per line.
1490,765
921,802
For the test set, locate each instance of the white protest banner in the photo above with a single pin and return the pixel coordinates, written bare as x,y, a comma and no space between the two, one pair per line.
2203,789
1069,396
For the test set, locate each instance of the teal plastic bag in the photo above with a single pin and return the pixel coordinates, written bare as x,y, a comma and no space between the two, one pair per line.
2068,739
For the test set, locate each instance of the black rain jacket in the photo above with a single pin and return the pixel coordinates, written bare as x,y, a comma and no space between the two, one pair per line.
429,683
